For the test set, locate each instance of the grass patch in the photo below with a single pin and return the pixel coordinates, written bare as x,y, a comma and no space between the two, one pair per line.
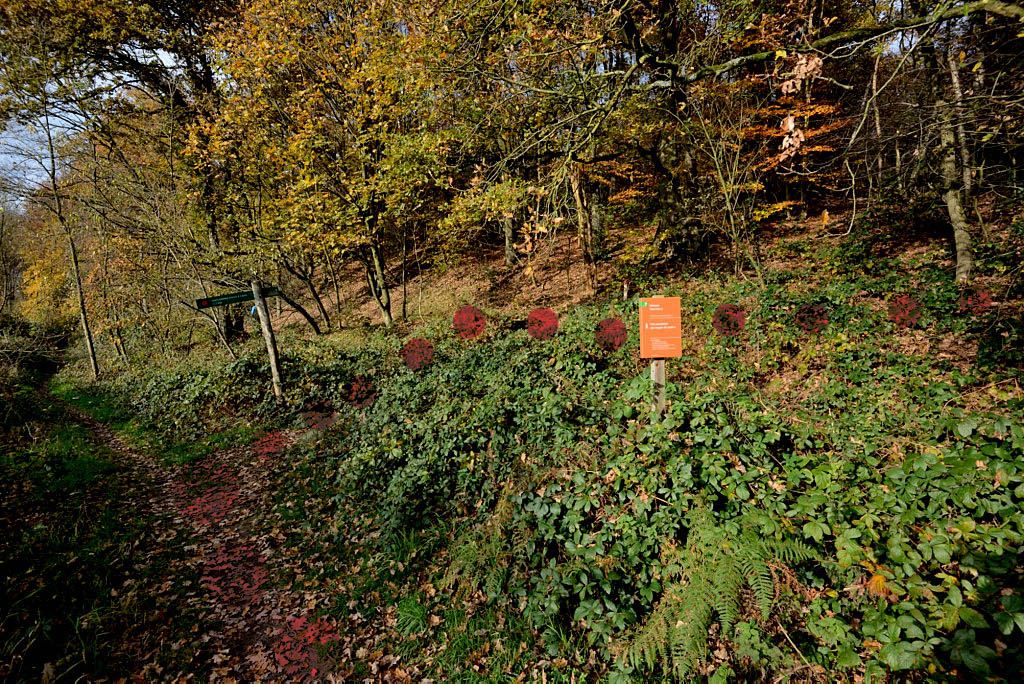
179,453
63,461
106,408
94,401
81,561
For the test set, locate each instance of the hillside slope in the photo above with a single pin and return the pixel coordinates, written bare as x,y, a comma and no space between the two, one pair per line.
834,493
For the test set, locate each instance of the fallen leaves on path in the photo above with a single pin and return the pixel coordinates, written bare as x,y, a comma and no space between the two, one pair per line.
251,629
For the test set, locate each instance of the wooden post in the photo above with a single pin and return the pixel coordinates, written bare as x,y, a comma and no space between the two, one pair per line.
658,381
268,336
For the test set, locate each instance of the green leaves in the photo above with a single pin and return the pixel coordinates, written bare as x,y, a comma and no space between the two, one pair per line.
972,617
847,658
966,650
900,655
575,505
1006,621
1011,615
815,530
967,427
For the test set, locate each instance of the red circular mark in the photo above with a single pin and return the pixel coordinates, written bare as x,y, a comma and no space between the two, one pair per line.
361,391
812,318
904,311
469,322
729,319
975,301
610,334
417,353
542,324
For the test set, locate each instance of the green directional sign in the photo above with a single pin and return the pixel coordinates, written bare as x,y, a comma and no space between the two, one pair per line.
234,298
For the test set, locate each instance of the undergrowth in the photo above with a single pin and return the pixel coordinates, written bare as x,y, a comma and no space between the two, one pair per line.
835,505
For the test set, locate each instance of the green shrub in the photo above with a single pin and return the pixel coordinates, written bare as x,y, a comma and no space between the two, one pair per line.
867,486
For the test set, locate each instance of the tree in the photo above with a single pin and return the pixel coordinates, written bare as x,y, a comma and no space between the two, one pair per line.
581,68
10,261
341,149
36,82
114,48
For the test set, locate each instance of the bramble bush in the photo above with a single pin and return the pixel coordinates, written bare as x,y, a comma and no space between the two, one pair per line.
909,507
833,493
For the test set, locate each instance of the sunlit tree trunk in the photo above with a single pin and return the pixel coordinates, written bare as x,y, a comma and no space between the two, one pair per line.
268,336
334,281
373,264
961,129
83,314
584,225
405,290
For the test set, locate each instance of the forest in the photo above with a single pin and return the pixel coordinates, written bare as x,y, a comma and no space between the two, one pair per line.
320,341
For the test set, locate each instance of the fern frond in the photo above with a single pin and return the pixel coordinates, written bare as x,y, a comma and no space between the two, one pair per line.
762,580
705,579
727,580
484,556
791,550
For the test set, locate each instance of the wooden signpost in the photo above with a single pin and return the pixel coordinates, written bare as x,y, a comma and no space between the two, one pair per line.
257,294
660,339
234,298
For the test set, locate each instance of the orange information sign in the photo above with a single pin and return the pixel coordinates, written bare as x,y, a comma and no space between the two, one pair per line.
660,328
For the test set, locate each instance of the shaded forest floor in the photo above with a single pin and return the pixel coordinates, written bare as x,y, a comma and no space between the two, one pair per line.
173,567
129,559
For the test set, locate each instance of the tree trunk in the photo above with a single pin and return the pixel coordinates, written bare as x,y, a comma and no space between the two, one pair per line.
233,324
880,153
230,323
306,276
583,222
961,132
7,267
319,303
374,265
122,349
277,304
209,314
510,251
268,336
58,209
951,180
334,280
86,329
302,311
405,295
